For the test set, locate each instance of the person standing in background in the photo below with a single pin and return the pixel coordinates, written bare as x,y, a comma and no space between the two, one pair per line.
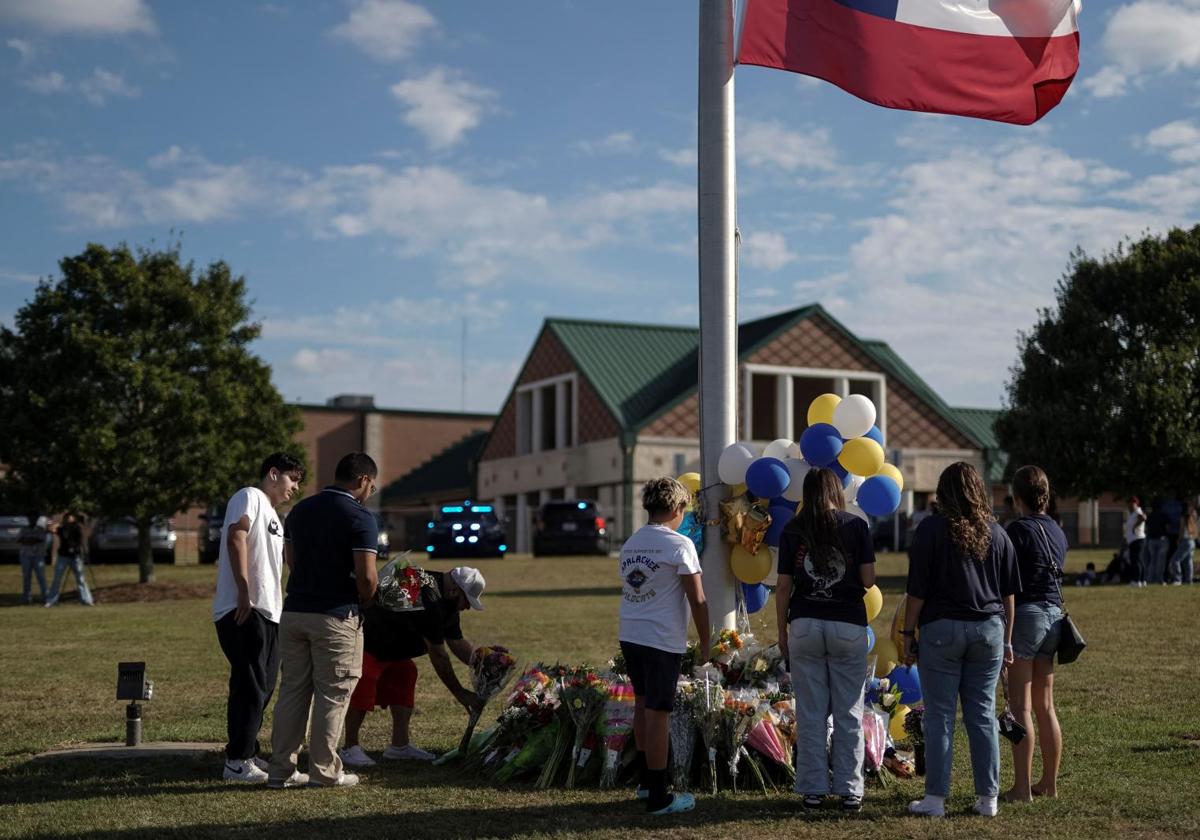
1181,560
32,551
69,556
1135,540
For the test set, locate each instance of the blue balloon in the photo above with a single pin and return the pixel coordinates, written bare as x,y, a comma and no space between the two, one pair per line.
755,595
767,477
874,434
870,640
842,473
909,680
693,529
820,444
879,495
781,515
780,501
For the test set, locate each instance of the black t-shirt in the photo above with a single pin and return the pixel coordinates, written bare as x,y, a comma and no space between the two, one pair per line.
324,531
1156,524
70,538
390,635
837,595
1041,548
958,587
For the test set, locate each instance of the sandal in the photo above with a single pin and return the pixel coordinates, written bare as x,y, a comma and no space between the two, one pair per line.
851,803
812,801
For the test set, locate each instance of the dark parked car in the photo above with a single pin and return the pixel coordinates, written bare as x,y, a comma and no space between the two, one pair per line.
214,518
117,539
465,530
570,527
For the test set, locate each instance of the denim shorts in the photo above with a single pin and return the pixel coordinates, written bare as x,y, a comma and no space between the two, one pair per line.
1036,630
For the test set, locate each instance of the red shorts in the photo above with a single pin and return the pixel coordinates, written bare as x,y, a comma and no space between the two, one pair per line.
384,684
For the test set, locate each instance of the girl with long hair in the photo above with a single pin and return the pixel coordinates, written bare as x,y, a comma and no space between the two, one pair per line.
1041,548
826,563
962,577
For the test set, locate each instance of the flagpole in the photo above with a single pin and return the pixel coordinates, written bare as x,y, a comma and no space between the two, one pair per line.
717,201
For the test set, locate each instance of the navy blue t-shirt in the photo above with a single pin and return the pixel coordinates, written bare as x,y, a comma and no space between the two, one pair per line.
1041,549
324,531
958,587
836,595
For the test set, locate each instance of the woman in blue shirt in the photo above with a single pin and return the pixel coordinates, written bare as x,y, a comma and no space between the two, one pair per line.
962,577
1041,548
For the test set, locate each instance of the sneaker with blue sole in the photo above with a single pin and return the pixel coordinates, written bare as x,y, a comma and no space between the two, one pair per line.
679,803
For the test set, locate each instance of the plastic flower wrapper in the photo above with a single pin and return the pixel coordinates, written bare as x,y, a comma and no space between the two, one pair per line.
618,724
764,738
617,665
898,763
534,681
708,708
400,585
583,695
536,750
726,646
682,732
492,667
874,737
736,720
762,666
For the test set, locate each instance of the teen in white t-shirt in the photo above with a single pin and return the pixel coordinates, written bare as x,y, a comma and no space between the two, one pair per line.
248,604
660,581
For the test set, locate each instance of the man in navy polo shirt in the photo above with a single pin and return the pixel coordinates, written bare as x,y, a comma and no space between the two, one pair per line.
330,544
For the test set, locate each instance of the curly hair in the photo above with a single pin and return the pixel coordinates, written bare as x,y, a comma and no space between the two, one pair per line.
962,499
663,496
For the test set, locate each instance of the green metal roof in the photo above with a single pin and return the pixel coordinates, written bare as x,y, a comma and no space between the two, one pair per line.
642,370
982,421
451,469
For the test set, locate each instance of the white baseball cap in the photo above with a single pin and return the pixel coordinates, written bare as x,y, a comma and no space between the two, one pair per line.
470,581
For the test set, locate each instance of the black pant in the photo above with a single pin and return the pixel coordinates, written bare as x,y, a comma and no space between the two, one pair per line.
253,653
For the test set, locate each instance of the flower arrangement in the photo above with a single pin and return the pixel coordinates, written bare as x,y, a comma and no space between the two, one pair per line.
914,728
708,707
491,668
682,734
618,724
583,695
736,719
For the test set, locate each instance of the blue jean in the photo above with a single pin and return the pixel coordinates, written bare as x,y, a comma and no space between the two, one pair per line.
960,660
33,563
829,667
1037,628
74,562
1181,561
1155,553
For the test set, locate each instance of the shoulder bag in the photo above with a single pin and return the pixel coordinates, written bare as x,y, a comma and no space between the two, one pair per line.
1071,642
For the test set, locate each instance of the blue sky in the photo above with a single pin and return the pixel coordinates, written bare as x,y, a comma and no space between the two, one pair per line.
382,170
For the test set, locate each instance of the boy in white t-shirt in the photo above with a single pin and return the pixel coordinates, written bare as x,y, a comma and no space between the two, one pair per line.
660,580
247,607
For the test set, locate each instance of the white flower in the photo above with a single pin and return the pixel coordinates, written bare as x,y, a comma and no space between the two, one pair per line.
884,685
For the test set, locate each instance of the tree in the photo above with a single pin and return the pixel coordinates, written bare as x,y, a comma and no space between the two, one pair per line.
127,389
1105,395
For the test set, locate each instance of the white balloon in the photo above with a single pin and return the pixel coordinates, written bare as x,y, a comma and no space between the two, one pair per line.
782,449
857,511
797,469
731,466
854,416
851,492
772,577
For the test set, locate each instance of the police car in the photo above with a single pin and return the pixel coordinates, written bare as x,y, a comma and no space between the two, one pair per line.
465,530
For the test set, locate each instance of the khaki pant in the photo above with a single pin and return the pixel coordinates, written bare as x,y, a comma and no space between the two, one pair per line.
320,663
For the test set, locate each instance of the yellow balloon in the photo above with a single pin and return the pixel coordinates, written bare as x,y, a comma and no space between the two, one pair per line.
896,728
892,472
898,624
874,601
886,657
750,568
821,409
861,456
690,480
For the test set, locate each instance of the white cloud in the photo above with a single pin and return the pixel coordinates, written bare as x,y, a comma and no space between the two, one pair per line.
680,157
20,277
442,105
619,142
23,48
1179,139
767,250
386,30
1144,38
80,17
768,143
103,84
47,83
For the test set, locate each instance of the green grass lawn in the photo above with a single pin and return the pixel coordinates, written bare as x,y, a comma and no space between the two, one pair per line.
1128,707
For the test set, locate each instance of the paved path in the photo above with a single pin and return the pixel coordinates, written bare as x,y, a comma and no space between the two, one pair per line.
153,749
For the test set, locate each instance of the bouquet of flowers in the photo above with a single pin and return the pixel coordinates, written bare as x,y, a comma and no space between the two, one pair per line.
736,720
618,723
399,587
874,737
583,694
682,732
728,643
914,727
491,668
762,666
888,697
764,737
708,707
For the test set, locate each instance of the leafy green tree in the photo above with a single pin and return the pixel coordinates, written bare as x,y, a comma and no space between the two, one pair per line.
128,389
1105,395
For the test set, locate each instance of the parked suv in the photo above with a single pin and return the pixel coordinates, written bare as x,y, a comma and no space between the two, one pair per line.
117,539
465,530
569,527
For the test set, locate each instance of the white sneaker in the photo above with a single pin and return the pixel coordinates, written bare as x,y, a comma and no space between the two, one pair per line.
244,771
355,757
297,779
260,764
407,753
930,806
344,780
987,806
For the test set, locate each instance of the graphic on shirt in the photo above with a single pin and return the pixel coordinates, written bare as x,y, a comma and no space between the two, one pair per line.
824,581
273,529
636,571
635,579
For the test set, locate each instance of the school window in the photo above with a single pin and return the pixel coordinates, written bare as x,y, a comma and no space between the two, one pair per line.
547,414
775,400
